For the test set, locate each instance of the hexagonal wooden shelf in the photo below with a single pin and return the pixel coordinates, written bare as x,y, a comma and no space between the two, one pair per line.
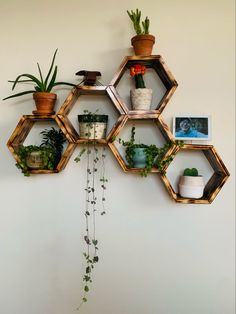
162,127
214,184
169,84
22,130
158,65
89,90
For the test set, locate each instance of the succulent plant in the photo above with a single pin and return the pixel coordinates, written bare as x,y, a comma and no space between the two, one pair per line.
191,172
41,84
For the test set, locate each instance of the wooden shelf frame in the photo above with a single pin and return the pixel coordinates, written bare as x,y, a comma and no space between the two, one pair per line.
155,62
22,130
89,90
161,126
214,184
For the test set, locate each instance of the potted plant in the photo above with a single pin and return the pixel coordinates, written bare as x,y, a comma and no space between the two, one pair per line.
191,184
145,156
45,156
35,157
92,125
43,97
141,96
55,139
143,42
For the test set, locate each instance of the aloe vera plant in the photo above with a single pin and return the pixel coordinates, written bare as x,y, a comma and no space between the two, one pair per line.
41,84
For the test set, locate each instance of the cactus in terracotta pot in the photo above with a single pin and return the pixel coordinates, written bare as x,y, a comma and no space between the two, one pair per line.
143,42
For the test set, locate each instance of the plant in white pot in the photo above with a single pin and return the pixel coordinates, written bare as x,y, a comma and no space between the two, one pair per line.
141,96
191,185
92,125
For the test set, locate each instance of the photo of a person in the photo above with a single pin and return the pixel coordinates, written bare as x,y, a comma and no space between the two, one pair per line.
191,128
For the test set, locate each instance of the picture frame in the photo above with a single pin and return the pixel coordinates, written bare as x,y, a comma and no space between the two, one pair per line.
192,127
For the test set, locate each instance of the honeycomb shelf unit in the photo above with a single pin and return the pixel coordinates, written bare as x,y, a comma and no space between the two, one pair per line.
125,114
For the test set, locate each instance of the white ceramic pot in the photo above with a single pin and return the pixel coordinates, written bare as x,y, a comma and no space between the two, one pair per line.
141,98
191,187
93,130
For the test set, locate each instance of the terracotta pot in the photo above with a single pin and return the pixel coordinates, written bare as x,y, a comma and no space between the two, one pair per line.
141,98
45,103
143,44
191,187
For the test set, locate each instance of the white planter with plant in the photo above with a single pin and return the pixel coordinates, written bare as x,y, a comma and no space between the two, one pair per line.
141,97
92,125
191,185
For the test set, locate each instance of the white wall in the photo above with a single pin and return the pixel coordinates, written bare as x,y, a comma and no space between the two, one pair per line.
156,256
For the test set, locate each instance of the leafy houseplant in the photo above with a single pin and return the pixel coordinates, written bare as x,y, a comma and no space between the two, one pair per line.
55,139
95,176
92,125
154,156
191,184
44,98
141,96
143,42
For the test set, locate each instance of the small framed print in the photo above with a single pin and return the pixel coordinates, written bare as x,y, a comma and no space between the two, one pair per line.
192,127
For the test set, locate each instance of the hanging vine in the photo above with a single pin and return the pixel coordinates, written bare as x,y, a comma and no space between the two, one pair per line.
95,160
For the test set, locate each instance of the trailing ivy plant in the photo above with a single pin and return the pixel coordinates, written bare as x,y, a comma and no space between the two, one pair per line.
155,156
95,161
48,155
50,148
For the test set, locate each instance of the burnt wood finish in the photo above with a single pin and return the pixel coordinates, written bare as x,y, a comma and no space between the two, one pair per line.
70,102
154,62
214,184
22,130
220,172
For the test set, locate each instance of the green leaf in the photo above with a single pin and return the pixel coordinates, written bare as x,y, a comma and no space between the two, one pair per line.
86,289
52,82
20,94
32,77
95,259
40,73
95,242
51,67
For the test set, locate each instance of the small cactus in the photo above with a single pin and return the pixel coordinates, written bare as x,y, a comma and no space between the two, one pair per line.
191,172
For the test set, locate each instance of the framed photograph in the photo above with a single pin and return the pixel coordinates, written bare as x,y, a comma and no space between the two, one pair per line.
192,127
